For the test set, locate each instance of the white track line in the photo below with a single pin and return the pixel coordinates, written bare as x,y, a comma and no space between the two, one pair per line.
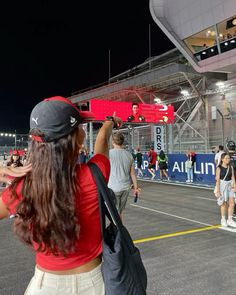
186,185
208,199
172,215
176,183
229,229
202,198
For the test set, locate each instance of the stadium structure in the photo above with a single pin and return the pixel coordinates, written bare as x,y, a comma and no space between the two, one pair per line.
198,82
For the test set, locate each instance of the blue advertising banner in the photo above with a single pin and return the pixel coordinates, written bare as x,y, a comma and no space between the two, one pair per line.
203,170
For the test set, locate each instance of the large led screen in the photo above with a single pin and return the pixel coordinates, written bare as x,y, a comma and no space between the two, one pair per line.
132,112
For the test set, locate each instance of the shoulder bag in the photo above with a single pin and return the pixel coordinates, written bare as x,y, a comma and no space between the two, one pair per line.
122,267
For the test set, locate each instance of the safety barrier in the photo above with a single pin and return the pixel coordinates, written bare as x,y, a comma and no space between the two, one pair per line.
204,168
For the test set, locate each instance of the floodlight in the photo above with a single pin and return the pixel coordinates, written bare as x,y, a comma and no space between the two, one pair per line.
157,100
184,92
220,84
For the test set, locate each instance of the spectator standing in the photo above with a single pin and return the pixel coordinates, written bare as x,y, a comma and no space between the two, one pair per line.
218,155
82,155
152,156
189,164
162,163
133,153
5,156
57,201
224,190
139,159
15,160
122,172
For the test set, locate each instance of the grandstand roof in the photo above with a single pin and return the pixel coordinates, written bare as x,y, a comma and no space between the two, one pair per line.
160,76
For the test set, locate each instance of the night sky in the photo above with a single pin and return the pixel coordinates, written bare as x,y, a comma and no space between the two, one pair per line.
53,48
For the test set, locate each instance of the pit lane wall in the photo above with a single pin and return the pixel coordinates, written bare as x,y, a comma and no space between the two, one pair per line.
204,168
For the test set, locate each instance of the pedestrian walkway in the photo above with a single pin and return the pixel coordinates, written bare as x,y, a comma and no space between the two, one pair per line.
177,230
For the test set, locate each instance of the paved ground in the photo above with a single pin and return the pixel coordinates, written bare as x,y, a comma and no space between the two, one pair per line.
176,230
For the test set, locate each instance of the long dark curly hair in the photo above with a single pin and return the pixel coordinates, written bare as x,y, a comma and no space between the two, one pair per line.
17,162
47,213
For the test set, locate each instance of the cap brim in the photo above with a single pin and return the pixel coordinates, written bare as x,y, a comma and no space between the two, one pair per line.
86,116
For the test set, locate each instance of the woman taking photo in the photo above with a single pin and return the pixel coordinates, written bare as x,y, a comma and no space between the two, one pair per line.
224,190
56,203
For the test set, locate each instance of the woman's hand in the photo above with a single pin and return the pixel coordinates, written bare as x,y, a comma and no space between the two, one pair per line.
217,194
13,171
117,120
102,140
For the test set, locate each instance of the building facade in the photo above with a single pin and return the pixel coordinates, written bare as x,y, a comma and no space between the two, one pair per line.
204,31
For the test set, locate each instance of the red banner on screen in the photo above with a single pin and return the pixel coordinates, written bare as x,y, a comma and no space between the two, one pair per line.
132,112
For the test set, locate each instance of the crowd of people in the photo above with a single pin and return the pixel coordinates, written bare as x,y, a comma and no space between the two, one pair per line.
53,195
160,162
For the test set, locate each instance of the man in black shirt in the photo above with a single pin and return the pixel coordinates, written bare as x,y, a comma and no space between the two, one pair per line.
139,158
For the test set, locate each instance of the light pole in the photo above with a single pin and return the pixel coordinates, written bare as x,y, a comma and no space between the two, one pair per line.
222,126
15,139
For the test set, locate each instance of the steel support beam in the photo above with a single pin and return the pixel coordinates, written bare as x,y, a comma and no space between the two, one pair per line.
193,87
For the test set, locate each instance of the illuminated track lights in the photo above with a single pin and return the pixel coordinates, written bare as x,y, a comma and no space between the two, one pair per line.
7,134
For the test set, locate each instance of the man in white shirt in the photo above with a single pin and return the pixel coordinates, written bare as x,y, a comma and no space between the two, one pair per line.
218,155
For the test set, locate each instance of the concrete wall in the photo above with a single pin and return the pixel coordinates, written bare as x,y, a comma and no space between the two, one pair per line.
188,17
180,19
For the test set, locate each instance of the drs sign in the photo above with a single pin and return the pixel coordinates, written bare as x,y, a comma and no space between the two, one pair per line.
158,138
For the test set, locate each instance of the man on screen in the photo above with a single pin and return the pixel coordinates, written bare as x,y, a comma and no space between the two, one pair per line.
136,115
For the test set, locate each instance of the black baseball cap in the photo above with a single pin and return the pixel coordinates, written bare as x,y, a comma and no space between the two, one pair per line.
56,117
